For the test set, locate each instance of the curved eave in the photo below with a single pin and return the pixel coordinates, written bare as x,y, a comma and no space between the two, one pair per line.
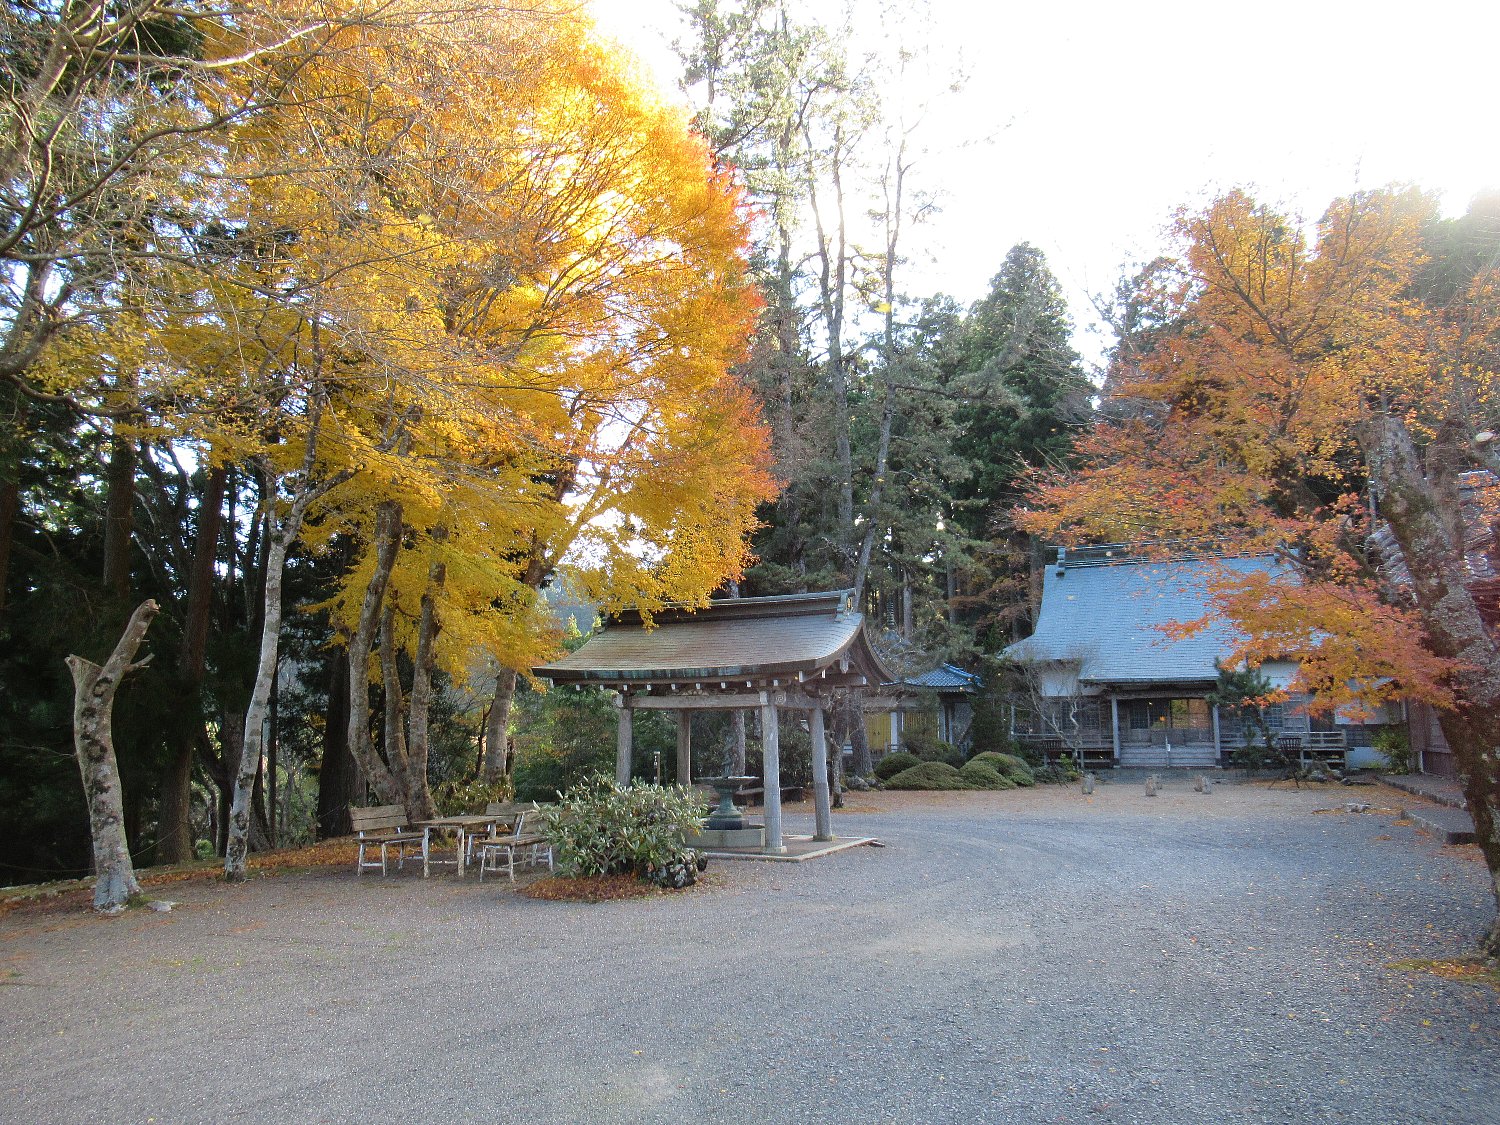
623,656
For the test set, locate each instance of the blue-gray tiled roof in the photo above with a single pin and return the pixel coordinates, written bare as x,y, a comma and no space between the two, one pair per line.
945,677
1109,618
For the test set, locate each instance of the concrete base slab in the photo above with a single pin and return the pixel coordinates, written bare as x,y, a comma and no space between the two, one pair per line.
707,839
798,848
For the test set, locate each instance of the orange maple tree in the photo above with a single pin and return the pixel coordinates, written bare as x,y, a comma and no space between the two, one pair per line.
1325,393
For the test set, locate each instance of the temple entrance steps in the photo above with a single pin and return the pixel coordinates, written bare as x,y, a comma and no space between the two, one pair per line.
1192,757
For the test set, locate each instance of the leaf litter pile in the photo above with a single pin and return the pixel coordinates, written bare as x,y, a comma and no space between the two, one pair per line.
601,888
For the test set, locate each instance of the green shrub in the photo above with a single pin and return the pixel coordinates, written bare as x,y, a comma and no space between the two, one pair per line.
1394,745
1251,757
540,776
1058,772
1007,765
892,764
929,775
598,829
453,798
982,776
929,749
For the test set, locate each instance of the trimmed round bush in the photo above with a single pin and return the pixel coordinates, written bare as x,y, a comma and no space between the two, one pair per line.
929,775
1007,765
982,776
892,764
929,749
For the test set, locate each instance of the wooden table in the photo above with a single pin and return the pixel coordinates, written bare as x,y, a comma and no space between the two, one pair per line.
467,824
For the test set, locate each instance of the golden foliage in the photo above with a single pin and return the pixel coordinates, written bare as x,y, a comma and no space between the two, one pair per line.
1242,425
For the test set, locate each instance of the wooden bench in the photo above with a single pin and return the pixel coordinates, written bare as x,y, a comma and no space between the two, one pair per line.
494,848
387,827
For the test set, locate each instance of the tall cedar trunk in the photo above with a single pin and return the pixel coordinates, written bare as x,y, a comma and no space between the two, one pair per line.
497,763
261,838
838,737
175,829
10,507
833,265
225,797
1414,509
119,516
387,542
788,354
175,834
13,438
394,725
894,182
877,494
419,804
859,740
336,775
94,690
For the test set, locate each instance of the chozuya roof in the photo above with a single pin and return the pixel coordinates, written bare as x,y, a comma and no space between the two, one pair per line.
750,640
1106,612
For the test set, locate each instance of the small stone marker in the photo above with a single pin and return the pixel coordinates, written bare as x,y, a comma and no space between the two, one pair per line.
1205,784
1152,783
1088,784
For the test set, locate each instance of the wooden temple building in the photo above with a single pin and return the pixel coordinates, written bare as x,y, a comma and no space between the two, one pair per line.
778,653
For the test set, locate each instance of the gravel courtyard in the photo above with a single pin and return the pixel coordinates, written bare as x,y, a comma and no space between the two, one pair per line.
1029,956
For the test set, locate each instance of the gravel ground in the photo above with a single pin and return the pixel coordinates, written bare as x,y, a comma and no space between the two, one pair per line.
1010,957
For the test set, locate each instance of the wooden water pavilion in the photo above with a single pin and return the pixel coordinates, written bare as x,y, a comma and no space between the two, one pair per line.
778,653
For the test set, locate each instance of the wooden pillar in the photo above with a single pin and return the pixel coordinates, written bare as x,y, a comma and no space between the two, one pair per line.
822,814
684,747
1114,724
622,742
1218,747
771,755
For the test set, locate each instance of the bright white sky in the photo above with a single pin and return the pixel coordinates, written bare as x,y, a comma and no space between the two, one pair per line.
1105,117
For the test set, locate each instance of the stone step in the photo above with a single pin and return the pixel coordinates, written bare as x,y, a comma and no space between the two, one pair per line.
1439,789
1452,826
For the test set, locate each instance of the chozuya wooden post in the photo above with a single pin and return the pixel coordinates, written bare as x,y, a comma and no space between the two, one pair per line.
684,747
622,741
771,755
822,814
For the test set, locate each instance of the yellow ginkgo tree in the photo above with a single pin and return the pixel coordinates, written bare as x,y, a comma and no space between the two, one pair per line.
518,288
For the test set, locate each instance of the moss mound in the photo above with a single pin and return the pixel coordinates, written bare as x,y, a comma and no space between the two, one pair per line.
982,776
892,764
1008,765
929,775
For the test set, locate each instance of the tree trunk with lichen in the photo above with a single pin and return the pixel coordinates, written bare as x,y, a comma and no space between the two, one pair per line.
497,760
245,764
1413,504
419,805
387,542
94,690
